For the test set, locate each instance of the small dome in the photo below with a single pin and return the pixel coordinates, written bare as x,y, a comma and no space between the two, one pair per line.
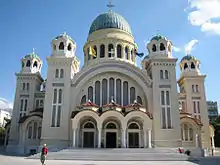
64,35
189,57
32,55
110,20
158,37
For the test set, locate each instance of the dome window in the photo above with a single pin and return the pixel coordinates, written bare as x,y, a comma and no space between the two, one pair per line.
192,65
126,53
118,51
28,64
69,47
110,50
185,66
154,49
102,51
61,46
35,64
162,47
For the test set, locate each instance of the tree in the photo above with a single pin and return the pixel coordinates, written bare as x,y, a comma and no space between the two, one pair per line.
216,125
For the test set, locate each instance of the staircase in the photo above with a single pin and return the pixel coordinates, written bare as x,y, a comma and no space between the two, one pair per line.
117,154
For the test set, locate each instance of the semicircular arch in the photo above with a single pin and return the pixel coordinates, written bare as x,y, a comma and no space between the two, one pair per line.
31,119
147,122
83,114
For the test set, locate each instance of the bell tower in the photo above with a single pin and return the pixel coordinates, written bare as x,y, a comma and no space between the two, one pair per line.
191,83
161,67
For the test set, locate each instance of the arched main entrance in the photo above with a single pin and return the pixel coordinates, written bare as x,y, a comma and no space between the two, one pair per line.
111,135
88,134
133,135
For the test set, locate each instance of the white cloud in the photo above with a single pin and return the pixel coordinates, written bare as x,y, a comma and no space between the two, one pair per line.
5,104
189,46
176,49
202,14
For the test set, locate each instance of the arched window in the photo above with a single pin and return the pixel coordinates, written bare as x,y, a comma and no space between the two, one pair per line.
39,133
133,126
197,88
132,94
69,47
118,91
27,86
118,51
187,132
35,64
154,48
29,132
104,91
132,55
162,47
162,98
102,51
167,98
95,48
97,92
54,96
161,74
61,73
192,65
111,89
166,74
60,96
139,100
23,87
185,66
111,126
126,53
89,125
28,64
61,46
83,100
193,88
110,50
90,93
125,93
22,64
35,131
57,73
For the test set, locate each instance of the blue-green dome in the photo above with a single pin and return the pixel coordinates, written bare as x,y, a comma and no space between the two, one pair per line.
32,55
110,20
158,37
189,57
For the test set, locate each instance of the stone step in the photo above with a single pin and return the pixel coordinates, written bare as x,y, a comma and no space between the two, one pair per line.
115,155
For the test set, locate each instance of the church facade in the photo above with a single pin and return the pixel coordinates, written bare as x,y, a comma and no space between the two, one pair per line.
110,102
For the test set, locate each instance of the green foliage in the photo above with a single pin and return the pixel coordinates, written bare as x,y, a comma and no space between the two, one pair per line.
216,125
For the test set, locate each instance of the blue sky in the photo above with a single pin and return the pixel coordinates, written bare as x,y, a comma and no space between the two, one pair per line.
27,24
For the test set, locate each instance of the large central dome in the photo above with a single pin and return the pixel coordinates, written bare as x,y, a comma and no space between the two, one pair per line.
110,20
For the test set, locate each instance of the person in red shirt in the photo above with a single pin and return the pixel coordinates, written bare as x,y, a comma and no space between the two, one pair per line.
44,152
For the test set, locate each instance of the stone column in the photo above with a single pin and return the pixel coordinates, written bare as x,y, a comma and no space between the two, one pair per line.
74,138
213,142
197,140
149,138
123,138
99,137
145,138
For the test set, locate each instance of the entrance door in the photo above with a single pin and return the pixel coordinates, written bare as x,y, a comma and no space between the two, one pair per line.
88,140
111,139
133,140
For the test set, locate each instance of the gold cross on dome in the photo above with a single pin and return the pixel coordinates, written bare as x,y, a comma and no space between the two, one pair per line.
110,5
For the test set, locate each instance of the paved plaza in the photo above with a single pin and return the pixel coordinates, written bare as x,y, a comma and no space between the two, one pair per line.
9,160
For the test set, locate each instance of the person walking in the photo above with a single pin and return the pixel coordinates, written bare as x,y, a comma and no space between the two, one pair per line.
44,152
